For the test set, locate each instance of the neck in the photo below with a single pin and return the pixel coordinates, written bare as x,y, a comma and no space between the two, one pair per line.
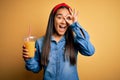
57,37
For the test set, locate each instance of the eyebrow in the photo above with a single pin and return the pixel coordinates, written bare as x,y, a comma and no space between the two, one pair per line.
59,14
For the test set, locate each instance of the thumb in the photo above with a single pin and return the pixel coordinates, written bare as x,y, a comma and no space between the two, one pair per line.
35,49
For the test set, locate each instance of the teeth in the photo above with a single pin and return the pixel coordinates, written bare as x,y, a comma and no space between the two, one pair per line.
62,26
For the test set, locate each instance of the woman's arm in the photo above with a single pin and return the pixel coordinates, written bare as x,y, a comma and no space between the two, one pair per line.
82,42
33,64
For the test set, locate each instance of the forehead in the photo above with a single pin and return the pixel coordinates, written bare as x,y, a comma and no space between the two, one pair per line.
62,12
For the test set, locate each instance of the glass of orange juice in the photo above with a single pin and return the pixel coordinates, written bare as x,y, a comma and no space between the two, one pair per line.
29,43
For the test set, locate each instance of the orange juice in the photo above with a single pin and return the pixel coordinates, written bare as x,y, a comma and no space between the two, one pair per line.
30,45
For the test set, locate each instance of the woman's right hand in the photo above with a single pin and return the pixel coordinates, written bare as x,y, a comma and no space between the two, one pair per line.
25,53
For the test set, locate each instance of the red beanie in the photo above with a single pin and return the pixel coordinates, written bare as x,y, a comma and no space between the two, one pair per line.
60,5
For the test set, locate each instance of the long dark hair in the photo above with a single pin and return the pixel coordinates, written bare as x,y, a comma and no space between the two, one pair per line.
69,46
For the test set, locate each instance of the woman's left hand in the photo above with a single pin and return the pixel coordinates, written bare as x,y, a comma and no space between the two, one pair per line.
70,19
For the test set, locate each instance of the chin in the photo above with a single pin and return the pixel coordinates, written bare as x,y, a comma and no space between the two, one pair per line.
61,34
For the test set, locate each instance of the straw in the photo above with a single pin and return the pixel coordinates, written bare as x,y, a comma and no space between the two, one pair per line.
29,32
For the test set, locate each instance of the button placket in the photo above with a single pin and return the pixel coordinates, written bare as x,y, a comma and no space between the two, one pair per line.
57,62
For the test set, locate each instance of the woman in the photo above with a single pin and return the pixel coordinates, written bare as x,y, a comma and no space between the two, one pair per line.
57,51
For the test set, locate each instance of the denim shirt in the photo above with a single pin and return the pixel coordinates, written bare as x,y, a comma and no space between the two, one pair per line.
58,68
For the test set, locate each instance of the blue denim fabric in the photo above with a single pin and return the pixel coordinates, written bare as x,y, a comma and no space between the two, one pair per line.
58,68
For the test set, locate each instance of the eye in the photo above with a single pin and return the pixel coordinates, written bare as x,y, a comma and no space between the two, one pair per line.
68,18
59,17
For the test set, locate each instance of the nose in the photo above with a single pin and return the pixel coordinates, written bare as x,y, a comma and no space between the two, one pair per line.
63,21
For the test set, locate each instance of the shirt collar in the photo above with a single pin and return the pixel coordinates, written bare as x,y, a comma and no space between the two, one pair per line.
62,39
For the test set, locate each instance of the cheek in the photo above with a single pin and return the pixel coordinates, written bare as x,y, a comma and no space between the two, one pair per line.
56,23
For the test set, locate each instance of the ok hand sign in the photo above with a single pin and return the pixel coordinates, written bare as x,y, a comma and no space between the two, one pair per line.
70,19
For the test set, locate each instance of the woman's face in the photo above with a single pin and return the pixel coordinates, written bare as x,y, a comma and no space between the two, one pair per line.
59,21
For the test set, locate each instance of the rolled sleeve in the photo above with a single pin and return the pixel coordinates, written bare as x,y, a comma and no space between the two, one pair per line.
82,41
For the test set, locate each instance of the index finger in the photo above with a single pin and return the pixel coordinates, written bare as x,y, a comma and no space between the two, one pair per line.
23,46
70,10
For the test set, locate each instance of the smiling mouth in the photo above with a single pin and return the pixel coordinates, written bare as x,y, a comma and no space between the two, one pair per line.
62,27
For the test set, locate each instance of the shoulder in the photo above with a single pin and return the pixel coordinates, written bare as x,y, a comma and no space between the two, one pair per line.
40,40
39,43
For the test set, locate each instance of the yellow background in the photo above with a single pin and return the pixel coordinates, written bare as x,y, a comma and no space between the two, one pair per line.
101,18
